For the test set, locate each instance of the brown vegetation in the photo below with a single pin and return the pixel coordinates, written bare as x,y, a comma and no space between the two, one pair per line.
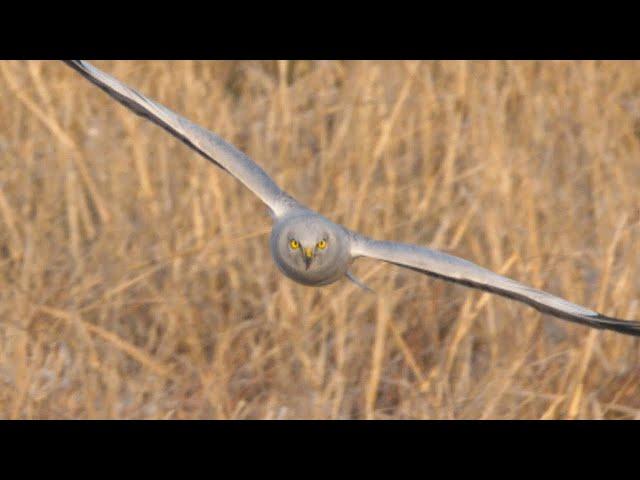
136,279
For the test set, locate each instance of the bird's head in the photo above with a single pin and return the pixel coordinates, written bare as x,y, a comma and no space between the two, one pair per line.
308,245
310,249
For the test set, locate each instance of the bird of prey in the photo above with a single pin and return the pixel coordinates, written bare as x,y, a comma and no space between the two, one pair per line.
313,250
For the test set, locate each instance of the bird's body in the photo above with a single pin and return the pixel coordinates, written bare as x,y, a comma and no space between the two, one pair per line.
313,250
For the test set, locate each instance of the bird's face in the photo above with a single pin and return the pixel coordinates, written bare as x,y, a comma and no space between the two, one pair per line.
310,250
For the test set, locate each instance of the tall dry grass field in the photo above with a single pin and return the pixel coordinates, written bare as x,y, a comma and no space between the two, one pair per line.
136,279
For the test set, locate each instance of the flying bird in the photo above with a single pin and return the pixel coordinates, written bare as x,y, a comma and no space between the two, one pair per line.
311,249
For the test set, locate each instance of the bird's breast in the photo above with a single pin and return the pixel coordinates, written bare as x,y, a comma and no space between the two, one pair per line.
312,277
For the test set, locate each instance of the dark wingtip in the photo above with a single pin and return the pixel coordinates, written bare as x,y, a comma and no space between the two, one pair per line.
627,327
77,65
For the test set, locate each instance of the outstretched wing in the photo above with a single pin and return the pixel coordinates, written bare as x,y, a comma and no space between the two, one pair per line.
208,144
454,269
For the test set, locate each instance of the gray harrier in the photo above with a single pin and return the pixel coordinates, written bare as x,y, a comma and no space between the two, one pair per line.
313,250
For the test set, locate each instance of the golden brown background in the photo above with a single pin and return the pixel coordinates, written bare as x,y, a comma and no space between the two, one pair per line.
136,279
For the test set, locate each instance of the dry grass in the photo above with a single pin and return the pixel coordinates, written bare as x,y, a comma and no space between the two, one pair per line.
136,280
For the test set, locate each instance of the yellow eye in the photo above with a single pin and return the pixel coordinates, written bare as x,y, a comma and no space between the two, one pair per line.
294,244
322,244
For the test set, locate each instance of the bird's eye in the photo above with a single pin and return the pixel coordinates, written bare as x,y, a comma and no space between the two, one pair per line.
294,244
322,244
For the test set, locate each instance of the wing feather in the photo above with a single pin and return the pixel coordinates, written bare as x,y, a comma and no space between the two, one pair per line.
208,144
458,270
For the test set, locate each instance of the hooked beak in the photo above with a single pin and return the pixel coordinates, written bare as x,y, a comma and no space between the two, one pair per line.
307,254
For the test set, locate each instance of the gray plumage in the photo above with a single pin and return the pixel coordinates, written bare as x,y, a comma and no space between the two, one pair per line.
313,250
